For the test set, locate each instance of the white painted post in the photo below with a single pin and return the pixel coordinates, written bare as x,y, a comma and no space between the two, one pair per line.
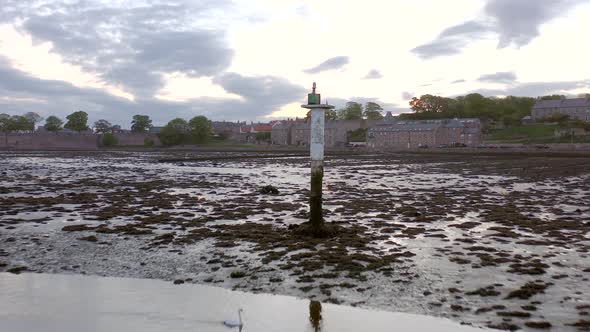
316,153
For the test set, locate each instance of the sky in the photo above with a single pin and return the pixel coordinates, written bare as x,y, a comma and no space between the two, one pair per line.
256,60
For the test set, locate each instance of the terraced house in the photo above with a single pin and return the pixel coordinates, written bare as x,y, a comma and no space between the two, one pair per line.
336,132
577,108
393,133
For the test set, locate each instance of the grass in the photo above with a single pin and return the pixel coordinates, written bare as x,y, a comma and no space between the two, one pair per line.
538,133
522,133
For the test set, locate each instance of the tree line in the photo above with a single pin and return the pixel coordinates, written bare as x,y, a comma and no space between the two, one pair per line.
177,131
77,121
355,111
508,110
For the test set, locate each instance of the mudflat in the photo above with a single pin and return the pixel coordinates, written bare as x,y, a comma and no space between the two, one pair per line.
491,240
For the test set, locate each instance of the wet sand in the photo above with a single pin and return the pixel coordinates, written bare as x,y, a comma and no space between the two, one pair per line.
499,241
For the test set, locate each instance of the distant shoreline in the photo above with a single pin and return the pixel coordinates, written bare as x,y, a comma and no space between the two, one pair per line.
549,150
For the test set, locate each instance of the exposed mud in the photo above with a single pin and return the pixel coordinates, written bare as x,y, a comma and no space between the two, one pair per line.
498,241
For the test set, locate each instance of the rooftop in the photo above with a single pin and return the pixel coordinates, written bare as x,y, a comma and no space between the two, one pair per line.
563,103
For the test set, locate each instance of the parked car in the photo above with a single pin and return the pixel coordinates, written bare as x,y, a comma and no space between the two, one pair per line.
443,146
458,145
423,146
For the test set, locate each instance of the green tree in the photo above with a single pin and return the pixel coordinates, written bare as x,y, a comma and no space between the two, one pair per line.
373,111
263,136
200,129
141,123
148,142
6,126
77,121
352,111
103,127
21,123
358,135
53,123
109,139
331,114
5,122
553,97
429,103
32,118
176,132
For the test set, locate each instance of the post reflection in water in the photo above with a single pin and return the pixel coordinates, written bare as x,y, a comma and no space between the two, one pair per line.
315,315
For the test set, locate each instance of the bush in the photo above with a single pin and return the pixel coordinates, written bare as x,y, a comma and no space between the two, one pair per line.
176,132
109,139
559,118
148,142
263,136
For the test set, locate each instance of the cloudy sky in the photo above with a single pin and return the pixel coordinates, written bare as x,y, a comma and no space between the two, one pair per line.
256,59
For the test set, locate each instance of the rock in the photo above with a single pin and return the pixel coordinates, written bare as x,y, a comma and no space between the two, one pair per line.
268,190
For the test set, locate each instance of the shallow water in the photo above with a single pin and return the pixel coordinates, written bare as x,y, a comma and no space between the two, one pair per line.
42,302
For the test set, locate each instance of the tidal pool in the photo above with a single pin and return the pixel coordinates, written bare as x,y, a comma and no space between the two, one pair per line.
64,303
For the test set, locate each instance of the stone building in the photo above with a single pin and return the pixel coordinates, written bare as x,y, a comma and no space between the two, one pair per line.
281,133
577,108
247,133
227,129
336,132
391,133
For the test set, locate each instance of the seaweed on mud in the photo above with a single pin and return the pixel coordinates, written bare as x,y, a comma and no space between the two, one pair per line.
517,314
484,292
90,238
17,269
504,326
582,325
538,325
529,290
534,267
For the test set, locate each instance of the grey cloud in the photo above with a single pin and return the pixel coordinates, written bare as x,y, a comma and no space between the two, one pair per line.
264,91
330,64
535,89
129,45
469,27
260,96
518,22
373,74
439,48
513,22
500,77
458,81
407,95
452,40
